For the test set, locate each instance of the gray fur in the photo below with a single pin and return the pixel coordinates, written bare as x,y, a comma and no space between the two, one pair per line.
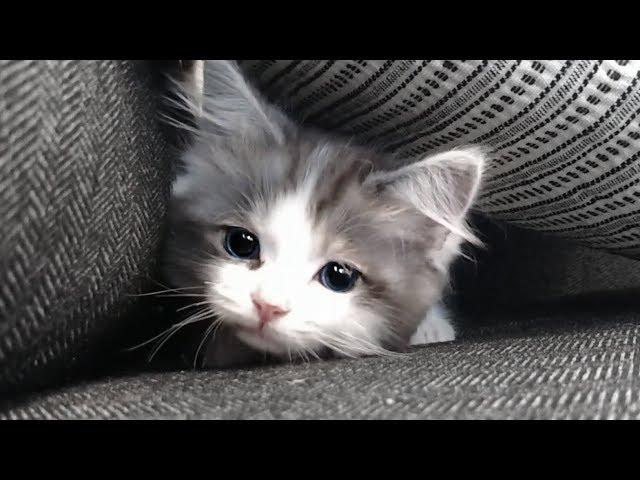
247,153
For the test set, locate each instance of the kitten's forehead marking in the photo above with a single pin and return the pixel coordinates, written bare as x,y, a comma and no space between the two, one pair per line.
288,230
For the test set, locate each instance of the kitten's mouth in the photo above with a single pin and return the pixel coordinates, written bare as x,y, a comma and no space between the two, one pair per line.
253,330
261,338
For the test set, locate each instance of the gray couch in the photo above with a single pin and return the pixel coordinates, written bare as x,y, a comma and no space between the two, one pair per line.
549,327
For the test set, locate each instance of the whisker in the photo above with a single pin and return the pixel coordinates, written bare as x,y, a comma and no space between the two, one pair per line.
353,345
336,348
161,291
313,352
180,295
211,328
196,318
302,355
191,305
164,332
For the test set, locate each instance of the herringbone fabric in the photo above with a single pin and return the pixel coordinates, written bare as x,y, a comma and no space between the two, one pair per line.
84,178
579,366
564,135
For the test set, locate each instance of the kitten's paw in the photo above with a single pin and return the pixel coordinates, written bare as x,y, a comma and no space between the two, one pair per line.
434,328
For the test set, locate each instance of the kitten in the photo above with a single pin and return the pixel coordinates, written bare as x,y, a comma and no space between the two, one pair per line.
302,243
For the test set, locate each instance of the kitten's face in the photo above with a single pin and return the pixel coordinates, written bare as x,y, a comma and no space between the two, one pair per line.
310,258
298,244
316,280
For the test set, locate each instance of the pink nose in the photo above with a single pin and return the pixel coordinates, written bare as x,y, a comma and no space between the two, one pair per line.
266,311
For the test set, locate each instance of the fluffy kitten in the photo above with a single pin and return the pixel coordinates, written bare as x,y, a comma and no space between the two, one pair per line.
301,243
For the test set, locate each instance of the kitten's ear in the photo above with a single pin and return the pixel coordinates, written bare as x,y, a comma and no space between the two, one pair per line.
226,105
443,186
191,82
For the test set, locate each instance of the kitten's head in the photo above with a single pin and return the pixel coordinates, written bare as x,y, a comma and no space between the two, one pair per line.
304,243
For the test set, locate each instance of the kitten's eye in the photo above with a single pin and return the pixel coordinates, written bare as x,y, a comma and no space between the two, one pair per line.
337,277
241,243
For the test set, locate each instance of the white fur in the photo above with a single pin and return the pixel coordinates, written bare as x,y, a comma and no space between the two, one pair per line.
291,258
435,327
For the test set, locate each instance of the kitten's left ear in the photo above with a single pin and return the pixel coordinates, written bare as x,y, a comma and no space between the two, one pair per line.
192,82
443,186
227,106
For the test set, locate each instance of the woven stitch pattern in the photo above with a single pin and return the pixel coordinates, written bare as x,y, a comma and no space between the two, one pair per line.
83,187
565,134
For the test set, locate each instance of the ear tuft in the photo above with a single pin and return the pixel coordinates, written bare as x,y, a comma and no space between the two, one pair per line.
226,106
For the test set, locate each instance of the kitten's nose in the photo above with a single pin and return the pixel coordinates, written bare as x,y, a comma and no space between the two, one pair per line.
266,311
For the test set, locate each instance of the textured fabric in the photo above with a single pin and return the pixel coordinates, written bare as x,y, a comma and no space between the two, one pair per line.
84,182
564,135
72,245
581,366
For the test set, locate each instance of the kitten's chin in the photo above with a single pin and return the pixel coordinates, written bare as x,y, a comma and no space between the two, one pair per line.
263,340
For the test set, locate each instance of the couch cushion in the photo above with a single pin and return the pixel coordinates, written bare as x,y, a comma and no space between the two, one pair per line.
565,365
565,135
84,181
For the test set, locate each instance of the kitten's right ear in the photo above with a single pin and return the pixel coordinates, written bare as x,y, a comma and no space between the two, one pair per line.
443,187
225,105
